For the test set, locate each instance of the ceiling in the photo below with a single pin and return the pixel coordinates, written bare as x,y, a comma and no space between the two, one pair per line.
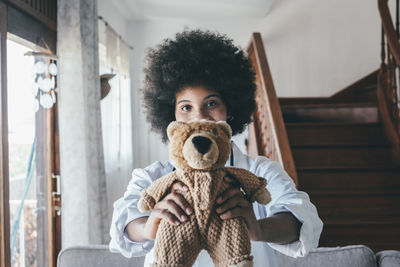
192,9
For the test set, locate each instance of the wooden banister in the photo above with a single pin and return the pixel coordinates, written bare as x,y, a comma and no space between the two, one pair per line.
267,133
388,80
389,30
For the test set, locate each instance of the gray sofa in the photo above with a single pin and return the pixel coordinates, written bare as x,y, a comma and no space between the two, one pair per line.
348,256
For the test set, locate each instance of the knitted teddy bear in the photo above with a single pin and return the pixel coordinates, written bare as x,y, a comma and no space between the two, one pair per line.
199,151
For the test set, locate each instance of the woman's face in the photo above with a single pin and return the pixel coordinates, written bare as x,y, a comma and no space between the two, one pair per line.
197,102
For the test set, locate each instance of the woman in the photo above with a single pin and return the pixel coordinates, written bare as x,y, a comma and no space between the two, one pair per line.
202,75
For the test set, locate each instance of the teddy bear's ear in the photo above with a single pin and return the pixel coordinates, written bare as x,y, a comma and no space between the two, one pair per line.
173,126
225,127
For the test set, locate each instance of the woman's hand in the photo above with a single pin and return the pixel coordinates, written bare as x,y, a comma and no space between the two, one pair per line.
173,207
233,203
281,228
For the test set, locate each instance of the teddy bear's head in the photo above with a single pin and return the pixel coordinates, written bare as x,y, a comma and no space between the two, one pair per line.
201,145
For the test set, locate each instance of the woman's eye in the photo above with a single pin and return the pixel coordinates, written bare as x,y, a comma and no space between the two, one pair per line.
186,108
211,104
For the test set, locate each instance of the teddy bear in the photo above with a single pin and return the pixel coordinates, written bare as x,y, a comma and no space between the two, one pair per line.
199,151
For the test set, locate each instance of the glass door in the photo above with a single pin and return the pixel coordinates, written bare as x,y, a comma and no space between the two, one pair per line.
33,184
23,179
30,225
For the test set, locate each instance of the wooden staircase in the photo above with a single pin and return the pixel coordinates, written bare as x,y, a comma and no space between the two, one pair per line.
336,149
344,162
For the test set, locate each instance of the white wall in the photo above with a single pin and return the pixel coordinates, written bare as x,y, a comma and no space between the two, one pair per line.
314,48
317,47
109,11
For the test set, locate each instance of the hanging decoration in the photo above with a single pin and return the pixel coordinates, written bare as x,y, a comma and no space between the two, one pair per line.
44,86
105,87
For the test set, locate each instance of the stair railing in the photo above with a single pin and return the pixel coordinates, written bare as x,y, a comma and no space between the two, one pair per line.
267,133
388,93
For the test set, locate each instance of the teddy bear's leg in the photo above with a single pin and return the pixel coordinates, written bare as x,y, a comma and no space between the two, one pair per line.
228,242
177,245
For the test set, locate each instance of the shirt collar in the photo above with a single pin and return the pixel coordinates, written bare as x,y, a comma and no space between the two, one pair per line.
240,159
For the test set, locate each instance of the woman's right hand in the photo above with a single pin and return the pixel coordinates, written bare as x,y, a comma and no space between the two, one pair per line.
173,208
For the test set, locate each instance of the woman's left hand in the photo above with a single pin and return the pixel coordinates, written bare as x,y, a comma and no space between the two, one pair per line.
233,203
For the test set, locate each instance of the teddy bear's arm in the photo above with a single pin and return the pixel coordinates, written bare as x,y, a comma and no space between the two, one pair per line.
253,186
151,195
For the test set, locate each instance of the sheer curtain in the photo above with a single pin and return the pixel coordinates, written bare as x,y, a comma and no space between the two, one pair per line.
83,180
116,113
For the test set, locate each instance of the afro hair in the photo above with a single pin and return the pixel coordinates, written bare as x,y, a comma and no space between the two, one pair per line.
198,58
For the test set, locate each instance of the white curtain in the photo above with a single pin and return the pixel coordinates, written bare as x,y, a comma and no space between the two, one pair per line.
83,180
112,49
124,56
116,113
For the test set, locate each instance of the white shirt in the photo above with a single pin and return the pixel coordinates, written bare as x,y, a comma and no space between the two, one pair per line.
285,198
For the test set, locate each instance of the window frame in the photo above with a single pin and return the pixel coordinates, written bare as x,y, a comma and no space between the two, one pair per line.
5,258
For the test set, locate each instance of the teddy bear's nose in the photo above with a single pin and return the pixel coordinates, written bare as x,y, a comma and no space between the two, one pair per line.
202,144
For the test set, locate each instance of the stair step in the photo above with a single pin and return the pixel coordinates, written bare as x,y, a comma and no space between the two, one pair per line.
347,181
360,113
318,134
342,157
349,168
288,102
340,193
319,102
364,89
361,222
378,238
344,162
356,208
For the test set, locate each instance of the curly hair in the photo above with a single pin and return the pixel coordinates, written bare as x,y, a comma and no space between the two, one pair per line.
198,58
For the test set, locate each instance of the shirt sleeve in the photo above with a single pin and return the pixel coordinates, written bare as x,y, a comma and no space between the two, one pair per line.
286,198
125,211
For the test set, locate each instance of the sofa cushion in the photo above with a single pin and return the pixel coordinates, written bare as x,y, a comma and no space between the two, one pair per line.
388,258
95,256
354,256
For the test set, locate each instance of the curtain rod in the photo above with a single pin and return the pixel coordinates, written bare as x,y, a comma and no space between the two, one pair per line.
109,26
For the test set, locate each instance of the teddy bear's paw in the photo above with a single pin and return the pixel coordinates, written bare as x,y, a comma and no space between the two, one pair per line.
142,206
146,202
262,196
245,263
